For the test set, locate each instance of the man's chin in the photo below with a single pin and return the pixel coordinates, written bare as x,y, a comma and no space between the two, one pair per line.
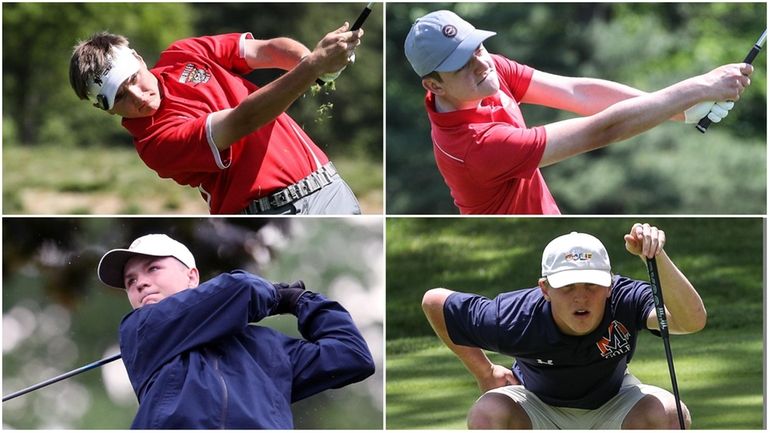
490,86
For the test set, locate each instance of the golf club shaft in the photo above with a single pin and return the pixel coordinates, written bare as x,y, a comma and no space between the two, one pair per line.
356,25
704,123
660,310
61,377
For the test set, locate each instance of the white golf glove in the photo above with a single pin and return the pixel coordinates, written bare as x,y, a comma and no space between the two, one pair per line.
716,111
330,76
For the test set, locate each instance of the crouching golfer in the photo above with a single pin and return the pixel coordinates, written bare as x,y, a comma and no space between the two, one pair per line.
194,357
573,337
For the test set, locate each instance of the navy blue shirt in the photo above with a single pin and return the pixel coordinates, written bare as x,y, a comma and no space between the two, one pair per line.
196,360
562,370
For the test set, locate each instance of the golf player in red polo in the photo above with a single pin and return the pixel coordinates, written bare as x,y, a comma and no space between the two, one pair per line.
196,120
490,158
573,337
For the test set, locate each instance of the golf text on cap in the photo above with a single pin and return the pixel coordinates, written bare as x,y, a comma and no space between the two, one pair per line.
576,258
103,87
442,41
110,269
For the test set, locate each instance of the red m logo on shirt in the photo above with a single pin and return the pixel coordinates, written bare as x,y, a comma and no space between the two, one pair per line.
616,342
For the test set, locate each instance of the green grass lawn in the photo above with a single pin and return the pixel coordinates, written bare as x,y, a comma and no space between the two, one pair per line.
719,370
98,180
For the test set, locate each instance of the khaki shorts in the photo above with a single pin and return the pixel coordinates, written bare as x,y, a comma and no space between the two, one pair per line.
609,416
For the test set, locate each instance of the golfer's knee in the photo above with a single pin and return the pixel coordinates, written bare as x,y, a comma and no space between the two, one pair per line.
497,411
657,412
434,299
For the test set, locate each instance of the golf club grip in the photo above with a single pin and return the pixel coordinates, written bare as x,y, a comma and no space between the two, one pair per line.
657,296
704,123
752,54
356,25
361,18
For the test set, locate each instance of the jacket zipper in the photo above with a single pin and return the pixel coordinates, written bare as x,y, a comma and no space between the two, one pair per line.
224,390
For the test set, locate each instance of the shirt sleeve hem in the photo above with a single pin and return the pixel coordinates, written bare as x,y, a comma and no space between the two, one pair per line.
213,146
242,44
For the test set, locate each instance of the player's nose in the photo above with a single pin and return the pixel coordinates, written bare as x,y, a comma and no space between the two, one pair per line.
479,66
136,94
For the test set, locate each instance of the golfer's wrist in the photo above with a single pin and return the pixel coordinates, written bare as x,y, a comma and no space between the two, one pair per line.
311,62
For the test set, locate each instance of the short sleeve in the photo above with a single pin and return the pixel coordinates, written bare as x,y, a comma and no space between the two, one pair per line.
515,76
226,50
180,146
634,298
471,320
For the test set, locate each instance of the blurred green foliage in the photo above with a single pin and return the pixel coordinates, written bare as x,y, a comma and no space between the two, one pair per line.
672,169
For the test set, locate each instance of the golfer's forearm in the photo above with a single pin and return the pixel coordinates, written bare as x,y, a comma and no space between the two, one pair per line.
618,122
280,53
583,96
262,106
688,314
592,96
634,116
474,359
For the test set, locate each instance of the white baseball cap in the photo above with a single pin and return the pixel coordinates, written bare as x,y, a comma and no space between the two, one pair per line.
576,258
442,41
110,269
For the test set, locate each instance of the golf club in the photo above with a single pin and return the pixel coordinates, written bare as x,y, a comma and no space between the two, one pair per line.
704,123
660,309
61,377
356,25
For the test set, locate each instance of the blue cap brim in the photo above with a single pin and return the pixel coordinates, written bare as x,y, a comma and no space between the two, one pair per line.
464,51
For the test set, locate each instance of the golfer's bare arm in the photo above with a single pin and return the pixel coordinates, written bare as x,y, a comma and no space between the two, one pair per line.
487,374
279,53
331,54
583,96
685,311
630,117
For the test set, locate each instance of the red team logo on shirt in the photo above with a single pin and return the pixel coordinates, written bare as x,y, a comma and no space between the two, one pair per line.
194,75
616,342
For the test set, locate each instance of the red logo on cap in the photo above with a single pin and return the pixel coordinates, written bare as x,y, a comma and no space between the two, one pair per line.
449,31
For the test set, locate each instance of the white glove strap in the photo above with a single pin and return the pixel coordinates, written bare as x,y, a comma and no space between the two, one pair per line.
695,113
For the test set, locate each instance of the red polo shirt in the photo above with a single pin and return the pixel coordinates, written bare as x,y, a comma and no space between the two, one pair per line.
487,155
198,77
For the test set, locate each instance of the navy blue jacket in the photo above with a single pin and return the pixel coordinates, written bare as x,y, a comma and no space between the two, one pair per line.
196,362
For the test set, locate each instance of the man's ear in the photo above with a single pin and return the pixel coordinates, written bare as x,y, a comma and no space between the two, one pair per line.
544,288
434,86
194,277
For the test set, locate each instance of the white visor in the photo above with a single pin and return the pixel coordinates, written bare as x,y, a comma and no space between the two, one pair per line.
123,64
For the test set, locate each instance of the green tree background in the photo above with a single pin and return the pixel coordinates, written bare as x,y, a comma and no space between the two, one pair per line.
57,316
672,169
46,127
